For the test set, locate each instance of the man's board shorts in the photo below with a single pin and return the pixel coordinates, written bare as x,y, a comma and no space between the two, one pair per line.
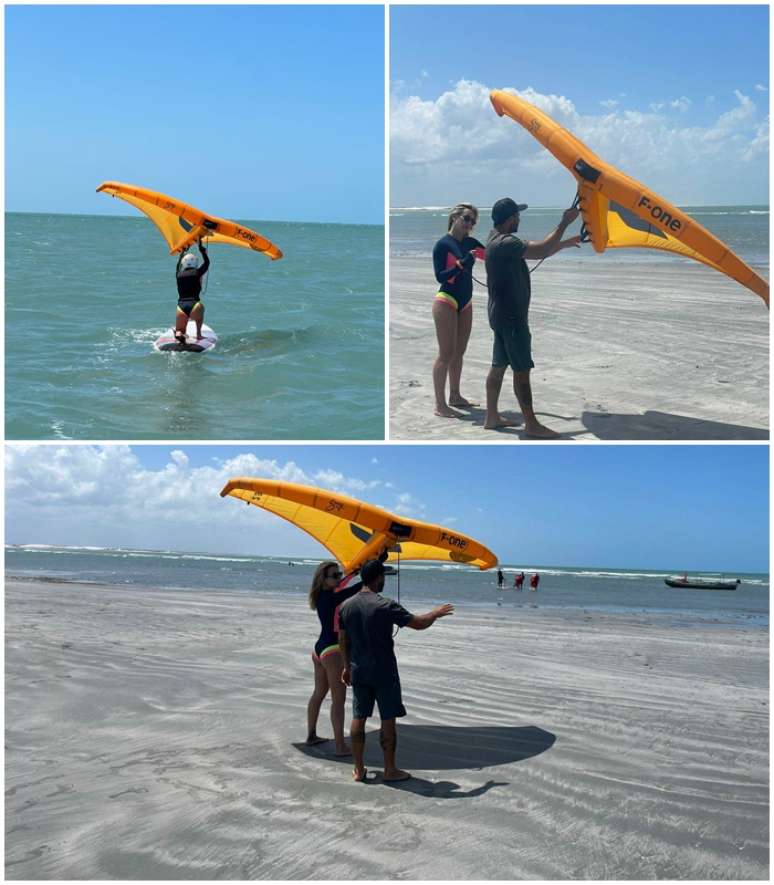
187,305
513,347
459,304
386,695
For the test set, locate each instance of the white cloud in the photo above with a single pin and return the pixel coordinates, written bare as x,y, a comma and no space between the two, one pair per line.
759,87
609,103
409,506
680,104
104,496
455,147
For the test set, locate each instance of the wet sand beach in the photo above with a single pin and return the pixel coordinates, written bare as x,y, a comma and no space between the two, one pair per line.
156,734
622,351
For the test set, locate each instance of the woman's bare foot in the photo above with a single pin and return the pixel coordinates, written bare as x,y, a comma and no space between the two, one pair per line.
500,421
314,739
459,402
359,775
396,774
446,412
538,431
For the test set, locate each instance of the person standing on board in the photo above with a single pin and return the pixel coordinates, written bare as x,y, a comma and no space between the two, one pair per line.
453,258
509,287
189,289
366,622
534,581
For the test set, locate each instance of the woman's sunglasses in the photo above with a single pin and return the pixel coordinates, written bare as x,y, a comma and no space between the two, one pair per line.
336,575
468,219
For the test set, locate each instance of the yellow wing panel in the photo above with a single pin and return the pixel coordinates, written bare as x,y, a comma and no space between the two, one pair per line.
354,531
601,185
177,221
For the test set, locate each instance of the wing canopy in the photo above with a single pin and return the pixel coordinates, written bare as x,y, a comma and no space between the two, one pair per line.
620,212
354,531
182,225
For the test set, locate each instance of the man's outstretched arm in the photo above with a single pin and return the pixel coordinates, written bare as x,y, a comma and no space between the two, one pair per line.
422,622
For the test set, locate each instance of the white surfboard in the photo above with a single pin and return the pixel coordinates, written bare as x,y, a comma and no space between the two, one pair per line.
168,342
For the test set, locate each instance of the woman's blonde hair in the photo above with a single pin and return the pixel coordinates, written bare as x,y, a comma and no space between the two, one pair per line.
318,581
461,209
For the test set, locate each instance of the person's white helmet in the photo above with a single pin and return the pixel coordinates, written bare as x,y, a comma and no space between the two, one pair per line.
188,260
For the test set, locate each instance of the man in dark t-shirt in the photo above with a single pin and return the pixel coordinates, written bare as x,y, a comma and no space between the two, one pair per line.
366,623
508,282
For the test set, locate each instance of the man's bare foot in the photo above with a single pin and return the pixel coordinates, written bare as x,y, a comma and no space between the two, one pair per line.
396,774
500,421
446,412
538,431
359,775
314,739
459,402
344,751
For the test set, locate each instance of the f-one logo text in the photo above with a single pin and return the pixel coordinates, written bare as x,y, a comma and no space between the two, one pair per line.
454,541
660,215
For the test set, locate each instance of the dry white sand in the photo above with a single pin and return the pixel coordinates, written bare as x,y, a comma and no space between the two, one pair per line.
155,734
622,351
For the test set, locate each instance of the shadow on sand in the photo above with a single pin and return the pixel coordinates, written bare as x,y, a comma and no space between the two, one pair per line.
662,425
444,747
476,416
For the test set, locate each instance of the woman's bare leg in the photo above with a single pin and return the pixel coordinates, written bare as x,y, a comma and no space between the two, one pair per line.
334,664
315,701
181,323
197,315
445,317
464,326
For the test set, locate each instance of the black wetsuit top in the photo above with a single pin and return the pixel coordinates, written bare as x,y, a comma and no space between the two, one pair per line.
327,603
189,281
454,282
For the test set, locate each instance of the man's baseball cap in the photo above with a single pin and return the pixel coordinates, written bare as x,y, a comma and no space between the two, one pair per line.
504,208
372,569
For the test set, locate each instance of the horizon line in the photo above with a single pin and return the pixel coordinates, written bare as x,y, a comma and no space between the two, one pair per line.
141,217
93,548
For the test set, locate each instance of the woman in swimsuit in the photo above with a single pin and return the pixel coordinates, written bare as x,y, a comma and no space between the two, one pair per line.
189,289
325,597
453,259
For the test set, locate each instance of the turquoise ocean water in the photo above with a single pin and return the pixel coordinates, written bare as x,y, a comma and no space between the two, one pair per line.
414,231
301,340
419,585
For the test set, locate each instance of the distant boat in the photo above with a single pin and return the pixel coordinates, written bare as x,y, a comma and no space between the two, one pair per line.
702,583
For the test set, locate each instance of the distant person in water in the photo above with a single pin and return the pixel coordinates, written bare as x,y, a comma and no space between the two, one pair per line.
325,596
453,258
366,623
509,285
189,289
500,579
518,581
534,581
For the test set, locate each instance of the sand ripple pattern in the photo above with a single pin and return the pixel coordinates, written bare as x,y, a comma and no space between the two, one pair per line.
156,735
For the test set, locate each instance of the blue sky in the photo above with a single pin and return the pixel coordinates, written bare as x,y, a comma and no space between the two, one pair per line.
677,96
664,507
251,112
